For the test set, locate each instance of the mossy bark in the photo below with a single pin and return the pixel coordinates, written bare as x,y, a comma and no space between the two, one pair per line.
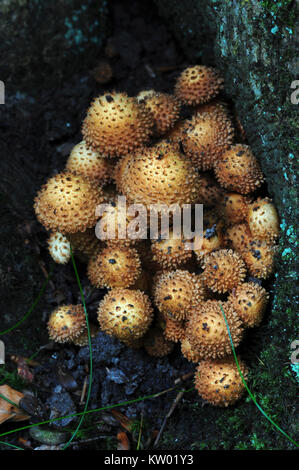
252,43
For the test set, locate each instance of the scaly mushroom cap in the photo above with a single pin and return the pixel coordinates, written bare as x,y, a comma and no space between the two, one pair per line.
223,270
238,170
125,314
114,266
176,293
164,108
212,240
215,106
172,252
249,300
116,124
59,248
188,352
176,134
206,137
67,203
84,161
174,330
160,174
85,243
239,237
66,323
259,259
234,208
119,169
155,344
263,220
82,339
219,381
207,332
198,84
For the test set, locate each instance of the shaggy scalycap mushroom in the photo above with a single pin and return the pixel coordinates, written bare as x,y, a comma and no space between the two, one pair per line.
67,203
249,300
116,124
84,161
223,270
198,84
263,220
164,108
59,248
66,323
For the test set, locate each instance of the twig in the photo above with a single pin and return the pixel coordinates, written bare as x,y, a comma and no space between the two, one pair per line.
184,377
41,265
84,388
172,408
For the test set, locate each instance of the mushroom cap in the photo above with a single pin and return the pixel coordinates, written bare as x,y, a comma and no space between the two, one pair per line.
218,381
59,248
67,203
239,237
188,352
116,124
238,170
259,259
207,332
176,293
156,344
249,300
223,270
214,106
263,220
114,266
176,133
234,207
171,253
160,174
198,84
125,313
212,240
164,108
82,339
66,322
86,162
210,193
206,137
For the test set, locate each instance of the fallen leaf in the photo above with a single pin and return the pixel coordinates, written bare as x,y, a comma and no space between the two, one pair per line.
7,410
123,441
125,422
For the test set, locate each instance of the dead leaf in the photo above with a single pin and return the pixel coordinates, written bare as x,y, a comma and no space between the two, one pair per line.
7,410
123,441
125,422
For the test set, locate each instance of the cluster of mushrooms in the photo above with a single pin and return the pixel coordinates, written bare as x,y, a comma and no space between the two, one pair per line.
159,293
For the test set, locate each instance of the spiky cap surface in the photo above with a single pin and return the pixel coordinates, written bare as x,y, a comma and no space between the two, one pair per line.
172,252
210,193
116,124
176,133
214,106
176,293
249,300
164,108
114,266
66,323
160,174
156,344
206,137
219,381
211,240
238,170
174,330
207,332
263,220
259,259
198,84
125,313
223,270
59,248
239,237
84,161
67,203
234,207
188,352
